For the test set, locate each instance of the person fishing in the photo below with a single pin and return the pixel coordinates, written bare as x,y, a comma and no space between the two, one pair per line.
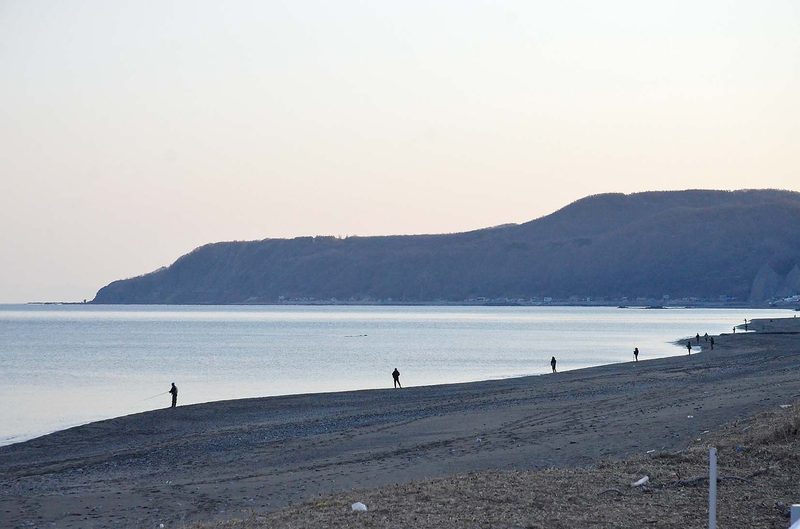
174,392
553,363
635,354
396,377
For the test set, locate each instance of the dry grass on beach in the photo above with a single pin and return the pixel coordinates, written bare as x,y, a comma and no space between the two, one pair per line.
758,464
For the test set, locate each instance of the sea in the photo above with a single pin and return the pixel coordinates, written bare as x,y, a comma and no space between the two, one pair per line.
65,365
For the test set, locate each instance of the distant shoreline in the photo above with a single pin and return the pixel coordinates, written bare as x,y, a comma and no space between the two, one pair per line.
655,305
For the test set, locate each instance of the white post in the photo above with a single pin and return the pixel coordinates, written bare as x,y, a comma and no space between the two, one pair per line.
712,488
795,514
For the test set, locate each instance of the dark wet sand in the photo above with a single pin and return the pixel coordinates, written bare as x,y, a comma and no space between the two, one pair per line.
228,459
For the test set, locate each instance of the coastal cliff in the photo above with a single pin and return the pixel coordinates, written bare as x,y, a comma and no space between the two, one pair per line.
695,245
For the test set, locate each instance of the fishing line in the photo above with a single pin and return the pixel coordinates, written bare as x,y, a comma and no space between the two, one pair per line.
154,396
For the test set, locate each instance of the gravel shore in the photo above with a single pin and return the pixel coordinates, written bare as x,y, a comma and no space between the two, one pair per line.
237,459
758,474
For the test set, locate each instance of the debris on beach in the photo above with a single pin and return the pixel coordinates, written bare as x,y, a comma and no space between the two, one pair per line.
758,485
359,507
784,406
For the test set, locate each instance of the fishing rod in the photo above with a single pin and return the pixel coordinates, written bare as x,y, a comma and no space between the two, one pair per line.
154,396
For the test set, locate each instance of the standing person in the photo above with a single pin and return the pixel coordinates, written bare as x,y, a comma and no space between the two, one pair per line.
745,324
711,341
174,391
698,337
396,377
705,337
553,364
635,354
689,347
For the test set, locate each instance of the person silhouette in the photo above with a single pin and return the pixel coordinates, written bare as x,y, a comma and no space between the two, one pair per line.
689,346
635,354
553,363
174,391
711,341
396,377
698,337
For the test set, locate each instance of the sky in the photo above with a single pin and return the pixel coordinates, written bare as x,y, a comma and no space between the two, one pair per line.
133,132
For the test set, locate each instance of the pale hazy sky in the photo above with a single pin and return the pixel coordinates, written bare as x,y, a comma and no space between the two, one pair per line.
133,131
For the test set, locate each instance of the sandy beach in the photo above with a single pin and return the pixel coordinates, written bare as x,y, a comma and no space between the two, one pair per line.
234,459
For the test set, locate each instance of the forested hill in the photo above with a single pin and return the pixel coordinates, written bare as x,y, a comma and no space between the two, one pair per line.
685,244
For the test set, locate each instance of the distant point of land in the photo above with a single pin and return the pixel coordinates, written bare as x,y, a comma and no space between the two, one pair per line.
675,248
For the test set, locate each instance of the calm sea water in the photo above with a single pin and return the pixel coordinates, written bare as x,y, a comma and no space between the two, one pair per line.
66,365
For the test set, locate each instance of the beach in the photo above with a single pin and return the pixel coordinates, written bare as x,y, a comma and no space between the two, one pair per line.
233,459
